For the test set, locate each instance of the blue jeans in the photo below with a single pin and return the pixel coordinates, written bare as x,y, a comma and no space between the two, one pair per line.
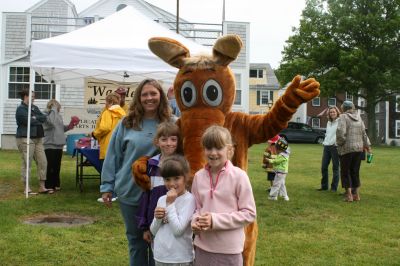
330,153
139,250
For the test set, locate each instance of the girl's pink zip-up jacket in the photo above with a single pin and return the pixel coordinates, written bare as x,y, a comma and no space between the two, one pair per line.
231,204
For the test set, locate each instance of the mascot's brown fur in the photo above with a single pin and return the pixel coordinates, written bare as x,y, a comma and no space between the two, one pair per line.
205,92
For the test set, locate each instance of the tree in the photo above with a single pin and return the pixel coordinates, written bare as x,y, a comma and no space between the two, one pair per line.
348,45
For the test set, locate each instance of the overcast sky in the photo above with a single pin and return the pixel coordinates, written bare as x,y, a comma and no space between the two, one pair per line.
271,21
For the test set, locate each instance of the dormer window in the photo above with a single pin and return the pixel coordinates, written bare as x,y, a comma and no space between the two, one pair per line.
121,6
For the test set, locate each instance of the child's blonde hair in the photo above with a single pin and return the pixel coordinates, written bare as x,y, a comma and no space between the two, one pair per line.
174,165
217,137
113,98
168,129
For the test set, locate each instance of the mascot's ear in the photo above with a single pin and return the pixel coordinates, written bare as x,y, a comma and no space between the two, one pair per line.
169,50
226,49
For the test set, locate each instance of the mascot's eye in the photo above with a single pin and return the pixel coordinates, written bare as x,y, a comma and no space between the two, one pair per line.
212,93
188,94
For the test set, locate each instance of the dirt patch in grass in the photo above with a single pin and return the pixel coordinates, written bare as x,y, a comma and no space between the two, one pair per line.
58,220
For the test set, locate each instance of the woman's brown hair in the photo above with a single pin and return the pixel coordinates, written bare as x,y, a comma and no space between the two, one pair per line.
168,129
329,116
136,112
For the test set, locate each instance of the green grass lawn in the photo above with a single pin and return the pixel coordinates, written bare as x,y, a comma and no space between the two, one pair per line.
313,228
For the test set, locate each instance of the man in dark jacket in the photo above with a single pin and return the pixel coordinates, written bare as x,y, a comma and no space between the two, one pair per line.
36,149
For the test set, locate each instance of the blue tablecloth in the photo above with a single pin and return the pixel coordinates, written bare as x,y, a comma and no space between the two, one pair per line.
92,156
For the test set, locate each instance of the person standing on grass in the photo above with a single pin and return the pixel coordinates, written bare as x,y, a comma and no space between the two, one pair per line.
36,149
270,153
54,141
224,203
281,168
172,216
330,152
131,139
109,119
352,140
168,140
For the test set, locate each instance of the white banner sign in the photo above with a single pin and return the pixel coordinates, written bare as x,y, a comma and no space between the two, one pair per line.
87,116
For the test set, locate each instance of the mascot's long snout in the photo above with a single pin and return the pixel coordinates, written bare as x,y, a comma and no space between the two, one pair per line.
193,124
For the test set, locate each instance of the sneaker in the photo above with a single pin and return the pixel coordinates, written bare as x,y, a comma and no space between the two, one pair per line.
102,201
286,198
272,198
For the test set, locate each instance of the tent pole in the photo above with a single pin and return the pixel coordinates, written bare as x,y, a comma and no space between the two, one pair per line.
28,135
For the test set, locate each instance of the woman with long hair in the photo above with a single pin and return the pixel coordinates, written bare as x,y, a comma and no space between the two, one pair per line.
54,141
330,152
131,139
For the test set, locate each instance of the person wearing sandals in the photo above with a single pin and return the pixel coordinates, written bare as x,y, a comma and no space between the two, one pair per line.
351,140
330,151
36,149
54,141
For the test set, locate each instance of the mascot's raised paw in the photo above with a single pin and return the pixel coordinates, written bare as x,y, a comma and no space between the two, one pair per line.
300,91
139,172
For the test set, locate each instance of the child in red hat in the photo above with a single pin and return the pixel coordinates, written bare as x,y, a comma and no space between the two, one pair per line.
270,153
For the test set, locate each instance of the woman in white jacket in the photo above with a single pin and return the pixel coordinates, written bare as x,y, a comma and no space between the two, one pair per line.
330,152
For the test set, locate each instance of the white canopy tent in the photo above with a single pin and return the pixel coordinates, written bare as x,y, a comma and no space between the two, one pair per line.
114,48
107,49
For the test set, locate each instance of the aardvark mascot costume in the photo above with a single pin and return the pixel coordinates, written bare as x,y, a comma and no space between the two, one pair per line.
205,92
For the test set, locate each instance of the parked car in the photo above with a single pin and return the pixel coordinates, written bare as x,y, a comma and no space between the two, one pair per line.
299,132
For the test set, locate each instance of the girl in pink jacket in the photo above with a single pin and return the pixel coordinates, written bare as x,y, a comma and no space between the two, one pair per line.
224,203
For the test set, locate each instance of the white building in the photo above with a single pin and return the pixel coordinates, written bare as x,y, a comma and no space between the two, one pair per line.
49,18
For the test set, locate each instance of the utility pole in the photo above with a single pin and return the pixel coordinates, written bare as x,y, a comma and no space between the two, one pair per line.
223,11
177,16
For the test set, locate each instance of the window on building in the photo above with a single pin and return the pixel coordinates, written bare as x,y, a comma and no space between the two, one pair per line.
362,104
238,81
377,127
238,97
264,97
316,101
315,122
397,128
19,80
377,108
332,102
88,20
121,6
43,89
349,97
256,73
398,103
